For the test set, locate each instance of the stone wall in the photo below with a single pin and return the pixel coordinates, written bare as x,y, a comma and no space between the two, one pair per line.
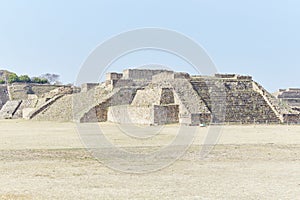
201,118
9,109
19,91
121,83
147,97
98,112
113,76
146,115
127,114
291,96
4,97
144,74
166,114
169,75
88,86
292,118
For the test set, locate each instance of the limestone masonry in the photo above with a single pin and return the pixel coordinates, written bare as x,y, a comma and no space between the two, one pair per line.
153,97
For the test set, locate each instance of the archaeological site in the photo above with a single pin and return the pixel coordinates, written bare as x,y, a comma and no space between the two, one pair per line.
153,97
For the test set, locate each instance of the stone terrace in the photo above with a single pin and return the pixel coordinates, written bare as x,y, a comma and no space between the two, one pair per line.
152,97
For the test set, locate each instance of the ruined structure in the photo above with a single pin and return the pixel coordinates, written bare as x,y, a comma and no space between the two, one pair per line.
4,96
291,98
152,97
19,99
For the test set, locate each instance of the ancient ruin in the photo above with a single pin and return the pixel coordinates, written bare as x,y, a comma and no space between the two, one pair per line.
153,97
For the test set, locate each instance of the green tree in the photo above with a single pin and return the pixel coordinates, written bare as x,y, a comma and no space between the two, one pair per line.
2,81
52,78
12,78
39,80
24,79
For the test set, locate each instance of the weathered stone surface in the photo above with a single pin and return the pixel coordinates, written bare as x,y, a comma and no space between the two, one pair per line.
20,91
155,97
144,74
292,118
242,104
4,96
88,86
290,96
9,109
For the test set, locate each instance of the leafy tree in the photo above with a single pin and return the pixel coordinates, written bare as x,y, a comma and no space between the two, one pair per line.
12,78
39,80
52,78
24,79
2,81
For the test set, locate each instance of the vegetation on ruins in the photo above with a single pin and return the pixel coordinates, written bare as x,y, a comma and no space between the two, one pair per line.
39,80
24,79
14,78
10,77
52,78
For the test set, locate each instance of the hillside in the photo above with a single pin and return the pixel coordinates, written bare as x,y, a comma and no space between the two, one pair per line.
4,74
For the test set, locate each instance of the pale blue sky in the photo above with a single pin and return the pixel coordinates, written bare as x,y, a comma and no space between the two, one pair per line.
257,37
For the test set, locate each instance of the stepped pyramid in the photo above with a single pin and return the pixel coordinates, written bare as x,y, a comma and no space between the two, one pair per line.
151,97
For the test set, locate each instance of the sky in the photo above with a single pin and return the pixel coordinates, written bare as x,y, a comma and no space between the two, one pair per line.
258,37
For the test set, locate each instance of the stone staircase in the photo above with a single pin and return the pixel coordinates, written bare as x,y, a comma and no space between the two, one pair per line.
189,97
213,95
274,103
241,103
192,108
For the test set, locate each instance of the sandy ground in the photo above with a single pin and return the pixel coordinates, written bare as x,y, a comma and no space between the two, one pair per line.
46,160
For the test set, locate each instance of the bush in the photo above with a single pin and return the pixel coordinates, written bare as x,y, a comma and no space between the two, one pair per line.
24,79
12,78
39,80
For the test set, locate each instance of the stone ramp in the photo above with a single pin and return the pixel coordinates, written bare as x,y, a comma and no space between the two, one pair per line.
28,104
98,111
188,97
85,102
44,106
9,109
72,107
267,98
60,110
46,103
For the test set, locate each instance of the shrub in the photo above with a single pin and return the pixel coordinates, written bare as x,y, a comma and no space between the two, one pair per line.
24,79
39,80
2,81
12,78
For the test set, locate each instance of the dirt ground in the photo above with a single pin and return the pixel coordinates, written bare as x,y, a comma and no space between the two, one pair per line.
47,160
